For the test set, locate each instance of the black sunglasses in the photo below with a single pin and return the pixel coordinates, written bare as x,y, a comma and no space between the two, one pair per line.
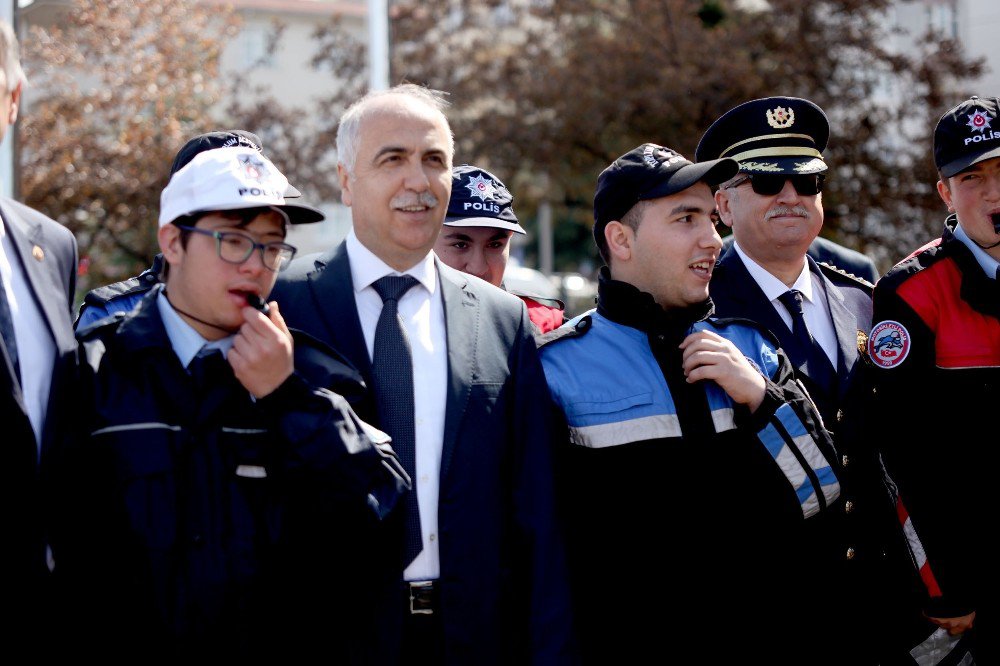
769,184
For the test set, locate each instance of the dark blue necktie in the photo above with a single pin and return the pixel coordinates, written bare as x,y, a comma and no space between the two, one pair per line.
392,371
818,364
7,330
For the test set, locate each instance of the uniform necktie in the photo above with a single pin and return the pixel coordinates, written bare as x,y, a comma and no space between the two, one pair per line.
207,367
7,330
392,370
818,364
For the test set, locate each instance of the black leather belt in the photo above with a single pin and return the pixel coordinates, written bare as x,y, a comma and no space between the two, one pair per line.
423,597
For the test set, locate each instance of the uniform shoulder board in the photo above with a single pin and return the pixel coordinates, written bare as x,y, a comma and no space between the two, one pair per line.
722,322
840,275
574,328
134,285
96,329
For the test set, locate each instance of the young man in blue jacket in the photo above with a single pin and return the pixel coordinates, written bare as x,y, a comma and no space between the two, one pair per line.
700,492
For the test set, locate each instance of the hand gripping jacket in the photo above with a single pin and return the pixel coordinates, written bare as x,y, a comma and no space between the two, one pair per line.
680,504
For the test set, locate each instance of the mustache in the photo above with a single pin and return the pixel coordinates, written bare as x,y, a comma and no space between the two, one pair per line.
422,199
777,211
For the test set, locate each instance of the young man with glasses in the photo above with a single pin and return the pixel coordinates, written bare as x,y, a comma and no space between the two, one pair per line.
820,316
210,445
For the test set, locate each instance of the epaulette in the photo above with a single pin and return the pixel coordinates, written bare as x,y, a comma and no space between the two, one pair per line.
550,302
837,273
134,285
722,322
574,328
112,320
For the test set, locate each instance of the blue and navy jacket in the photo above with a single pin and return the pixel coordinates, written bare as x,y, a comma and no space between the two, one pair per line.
671,492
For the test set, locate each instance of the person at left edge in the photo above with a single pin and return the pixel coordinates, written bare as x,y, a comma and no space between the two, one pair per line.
476,237
491,570
37,281
205,434
696,480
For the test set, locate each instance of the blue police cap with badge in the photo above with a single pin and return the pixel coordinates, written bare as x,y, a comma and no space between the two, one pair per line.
480,199
967,134
782,135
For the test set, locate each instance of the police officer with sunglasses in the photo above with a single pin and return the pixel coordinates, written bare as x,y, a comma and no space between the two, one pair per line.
820,316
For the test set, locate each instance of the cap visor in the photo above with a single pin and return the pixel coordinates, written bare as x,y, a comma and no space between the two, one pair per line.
484,222
804,164
712,172
301,213
967,161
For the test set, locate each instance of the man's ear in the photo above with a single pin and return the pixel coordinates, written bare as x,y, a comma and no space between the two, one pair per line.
345,184
169,237
15,102
945,193
619,238
722,205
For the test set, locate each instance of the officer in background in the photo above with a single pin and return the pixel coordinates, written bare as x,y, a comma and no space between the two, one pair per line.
700,491
123,296
476,237
819,314
936,349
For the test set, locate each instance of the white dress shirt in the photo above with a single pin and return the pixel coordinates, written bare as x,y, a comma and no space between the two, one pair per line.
36,348
815,309
185,341
989,264
422,311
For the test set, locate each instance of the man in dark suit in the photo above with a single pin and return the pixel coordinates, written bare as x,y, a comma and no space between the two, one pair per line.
472,569
37,280
819,314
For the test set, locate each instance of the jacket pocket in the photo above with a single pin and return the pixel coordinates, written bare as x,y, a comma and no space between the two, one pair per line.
142,458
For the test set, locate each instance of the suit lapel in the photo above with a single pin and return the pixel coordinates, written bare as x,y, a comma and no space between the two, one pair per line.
845,324
333,298
28,240
748,300
461,316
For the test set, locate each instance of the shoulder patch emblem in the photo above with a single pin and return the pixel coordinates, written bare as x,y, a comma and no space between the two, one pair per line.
888,344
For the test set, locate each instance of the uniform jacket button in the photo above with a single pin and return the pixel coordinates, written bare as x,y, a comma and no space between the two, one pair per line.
850,553
840,415
848,506
844,460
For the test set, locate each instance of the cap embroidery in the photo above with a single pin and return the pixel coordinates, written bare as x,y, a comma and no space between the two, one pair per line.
979,122
253,167
780,117
810,166
481,187
759,166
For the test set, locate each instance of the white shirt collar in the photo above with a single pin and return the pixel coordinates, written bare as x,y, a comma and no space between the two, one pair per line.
185,341
988,263
366,267
772,286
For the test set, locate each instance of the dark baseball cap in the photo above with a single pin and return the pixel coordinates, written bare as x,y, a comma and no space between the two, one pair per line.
967,134
785,135
480,199
234,138
650,172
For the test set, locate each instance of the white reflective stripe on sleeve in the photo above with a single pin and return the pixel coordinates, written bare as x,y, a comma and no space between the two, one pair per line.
812,454
136,426
723,419
789,465
625,432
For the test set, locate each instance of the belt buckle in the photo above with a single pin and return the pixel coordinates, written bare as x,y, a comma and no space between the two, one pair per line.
421,599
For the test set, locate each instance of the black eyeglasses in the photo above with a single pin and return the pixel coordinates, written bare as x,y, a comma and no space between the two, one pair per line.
235,248
769,184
